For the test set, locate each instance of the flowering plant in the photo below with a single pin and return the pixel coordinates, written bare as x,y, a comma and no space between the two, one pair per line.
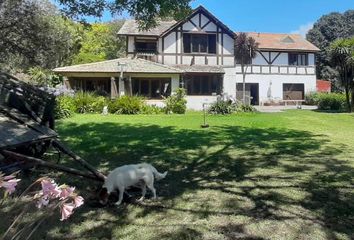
8,182
50,197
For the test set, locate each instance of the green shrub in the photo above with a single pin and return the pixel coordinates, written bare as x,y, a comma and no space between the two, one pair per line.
311,98
151,109
85,102
245,108
227,107
99,103
176,103
331,101
64,107
222,107
126,105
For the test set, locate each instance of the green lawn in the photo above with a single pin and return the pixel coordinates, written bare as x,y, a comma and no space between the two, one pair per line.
249,176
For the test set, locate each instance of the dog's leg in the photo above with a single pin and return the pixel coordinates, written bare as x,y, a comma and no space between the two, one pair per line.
143,192
120,199
151,187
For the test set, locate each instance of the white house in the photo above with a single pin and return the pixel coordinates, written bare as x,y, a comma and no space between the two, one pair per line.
197,53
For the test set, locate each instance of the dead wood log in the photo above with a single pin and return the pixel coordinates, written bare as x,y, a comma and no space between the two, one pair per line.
21,157
85,164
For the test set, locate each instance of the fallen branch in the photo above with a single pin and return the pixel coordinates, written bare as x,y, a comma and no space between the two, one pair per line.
85,164
40,162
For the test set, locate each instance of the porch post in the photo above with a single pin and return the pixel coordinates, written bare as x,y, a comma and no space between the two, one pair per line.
114,90
121,87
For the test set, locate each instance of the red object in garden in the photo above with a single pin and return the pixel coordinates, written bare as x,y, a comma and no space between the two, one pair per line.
323,86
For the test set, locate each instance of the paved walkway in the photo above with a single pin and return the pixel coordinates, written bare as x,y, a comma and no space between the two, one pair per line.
274,109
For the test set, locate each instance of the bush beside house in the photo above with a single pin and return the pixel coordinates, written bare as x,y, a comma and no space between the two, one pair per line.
327,101
86,102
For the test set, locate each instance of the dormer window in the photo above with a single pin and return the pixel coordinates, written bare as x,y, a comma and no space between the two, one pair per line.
199,43
298,59
145,45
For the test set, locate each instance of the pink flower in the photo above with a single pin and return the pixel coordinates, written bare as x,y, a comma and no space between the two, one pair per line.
78,201
43,201
66,210
66,192
50,188
10,185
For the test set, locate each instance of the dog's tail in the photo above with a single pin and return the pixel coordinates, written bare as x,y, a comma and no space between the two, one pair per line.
158,175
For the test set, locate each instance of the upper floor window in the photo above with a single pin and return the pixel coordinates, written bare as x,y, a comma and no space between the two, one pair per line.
145,46
199,43
298,59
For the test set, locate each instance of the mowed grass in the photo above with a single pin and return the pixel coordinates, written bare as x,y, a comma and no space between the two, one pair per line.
283,175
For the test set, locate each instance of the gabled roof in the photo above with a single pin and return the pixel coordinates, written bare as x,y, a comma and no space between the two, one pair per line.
203,10
286,42
131,27
111,66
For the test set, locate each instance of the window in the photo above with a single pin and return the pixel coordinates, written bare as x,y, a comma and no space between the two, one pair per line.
203,84
298,59
199,43
293,91
151,87
145,46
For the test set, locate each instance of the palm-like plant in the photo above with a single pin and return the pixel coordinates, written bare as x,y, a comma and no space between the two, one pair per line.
342,57
245,50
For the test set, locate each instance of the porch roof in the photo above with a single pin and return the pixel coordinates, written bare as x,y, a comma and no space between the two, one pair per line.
200,69
111,66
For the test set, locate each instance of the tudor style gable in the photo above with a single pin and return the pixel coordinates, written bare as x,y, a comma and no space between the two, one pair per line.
200,39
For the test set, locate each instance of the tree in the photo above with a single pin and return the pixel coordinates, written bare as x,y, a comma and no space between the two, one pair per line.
32,33
342,52
144,11
100,42
245,50
326,30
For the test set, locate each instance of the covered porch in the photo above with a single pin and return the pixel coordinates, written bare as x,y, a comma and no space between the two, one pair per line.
123,76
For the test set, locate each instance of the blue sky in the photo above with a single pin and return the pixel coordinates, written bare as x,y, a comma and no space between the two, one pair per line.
278,16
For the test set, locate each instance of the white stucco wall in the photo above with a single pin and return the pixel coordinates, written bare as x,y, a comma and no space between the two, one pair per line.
131,46
273,81
170,43
196,102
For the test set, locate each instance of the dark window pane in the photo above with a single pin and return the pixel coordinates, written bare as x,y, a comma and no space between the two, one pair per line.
215,85
196,85
203,43
292,59
155,89
146,46
203,85
135,86
195,43
144,91
187,43
199,43
189,87
212,43
205,82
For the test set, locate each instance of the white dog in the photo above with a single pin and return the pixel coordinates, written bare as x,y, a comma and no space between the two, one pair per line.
122,178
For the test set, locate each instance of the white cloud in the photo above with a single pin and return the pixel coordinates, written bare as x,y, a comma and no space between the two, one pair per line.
303,29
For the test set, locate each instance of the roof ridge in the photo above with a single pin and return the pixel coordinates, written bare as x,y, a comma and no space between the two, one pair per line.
290,34
92,63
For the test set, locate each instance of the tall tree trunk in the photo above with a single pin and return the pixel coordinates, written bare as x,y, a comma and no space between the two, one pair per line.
243,84
347,90
352,103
